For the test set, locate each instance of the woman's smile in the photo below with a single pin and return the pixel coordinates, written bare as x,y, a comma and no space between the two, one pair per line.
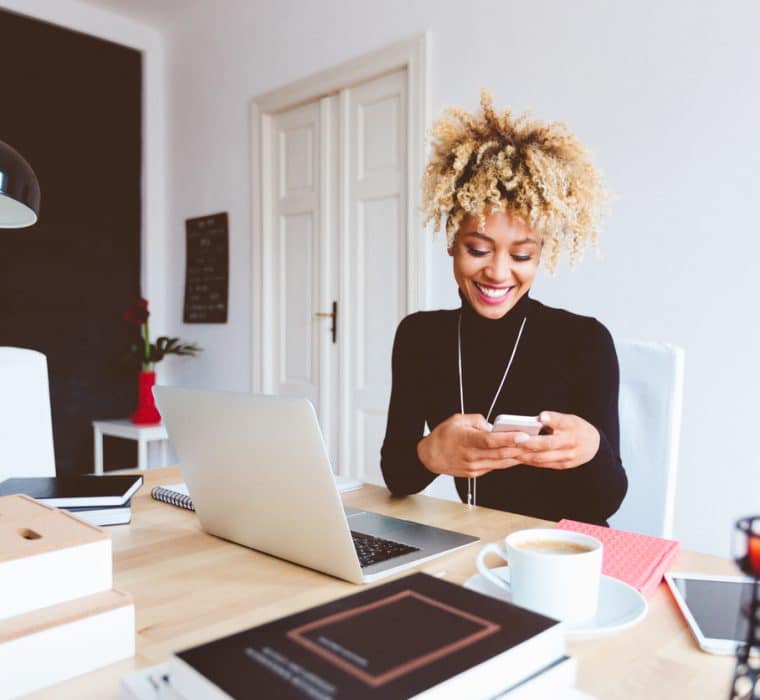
493,295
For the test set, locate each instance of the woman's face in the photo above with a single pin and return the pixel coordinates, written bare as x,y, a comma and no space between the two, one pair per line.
495,266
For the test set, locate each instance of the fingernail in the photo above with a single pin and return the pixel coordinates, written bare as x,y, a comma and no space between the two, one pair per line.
520,438
544,417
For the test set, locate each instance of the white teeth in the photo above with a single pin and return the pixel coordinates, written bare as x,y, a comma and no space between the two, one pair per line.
493,293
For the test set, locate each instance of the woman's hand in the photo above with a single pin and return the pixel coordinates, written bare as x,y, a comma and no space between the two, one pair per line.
572,441
463,445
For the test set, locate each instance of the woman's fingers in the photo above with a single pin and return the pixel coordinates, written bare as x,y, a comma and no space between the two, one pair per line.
473,420
544,443
556,420
553,459
473,454
476,469
477,466
464,445
491,441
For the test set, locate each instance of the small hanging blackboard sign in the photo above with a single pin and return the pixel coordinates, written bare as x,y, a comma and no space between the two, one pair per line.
207,272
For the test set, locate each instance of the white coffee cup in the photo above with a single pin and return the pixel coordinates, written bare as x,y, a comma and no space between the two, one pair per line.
553,572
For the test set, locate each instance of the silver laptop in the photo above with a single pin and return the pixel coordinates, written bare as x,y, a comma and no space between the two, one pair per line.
258,472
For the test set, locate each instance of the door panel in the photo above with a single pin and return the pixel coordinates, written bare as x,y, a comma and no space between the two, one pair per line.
297,155
379,138
298,369
376,203
296,209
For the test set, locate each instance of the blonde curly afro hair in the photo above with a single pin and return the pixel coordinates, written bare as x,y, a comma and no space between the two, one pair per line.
536,171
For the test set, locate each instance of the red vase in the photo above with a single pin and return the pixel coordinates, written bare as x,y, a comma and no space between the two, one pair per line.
146,411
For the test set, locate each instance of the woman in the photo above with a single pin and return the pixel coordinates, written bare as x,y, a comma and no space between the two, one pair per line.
512,193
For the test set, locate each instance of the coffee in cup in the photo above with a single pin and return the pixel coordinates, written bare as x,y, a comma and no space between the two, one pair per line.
554,547
553,572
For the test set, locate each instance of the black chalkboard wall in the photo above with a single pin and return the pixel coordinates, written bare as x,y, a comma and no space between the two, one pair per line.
71,105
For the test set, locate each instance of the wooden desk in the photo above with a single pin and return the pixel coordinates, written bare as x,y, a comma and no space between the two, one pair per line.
190,588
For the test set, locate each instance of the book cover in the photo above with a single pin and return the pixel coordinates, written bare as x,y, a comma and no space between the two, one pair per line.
403,639
75,491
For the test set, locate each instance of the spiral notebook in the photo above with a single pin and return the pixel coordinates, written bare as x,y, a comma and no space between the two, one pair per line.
173,494
178,495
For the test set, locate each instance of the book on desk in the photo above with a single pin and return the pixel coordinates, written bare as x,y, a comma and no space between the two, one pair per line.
98,500
415,637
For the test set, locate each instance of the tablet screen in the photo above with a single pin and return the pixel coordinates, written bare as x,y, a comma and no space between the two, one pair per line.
715,605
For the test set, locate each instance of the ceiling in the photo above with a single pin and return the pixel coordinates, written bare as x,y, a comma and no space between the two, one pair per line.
157,13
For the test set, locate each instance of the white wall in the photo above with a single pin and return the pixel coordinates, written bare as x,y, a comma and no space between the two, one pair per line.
85,18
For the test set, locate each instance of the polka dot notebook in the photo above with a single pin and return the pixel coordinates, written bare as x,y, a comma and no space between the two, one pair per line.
639,560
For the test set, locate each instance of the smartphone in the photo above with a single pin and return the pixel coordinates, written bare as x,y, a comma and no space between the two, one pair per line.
525,424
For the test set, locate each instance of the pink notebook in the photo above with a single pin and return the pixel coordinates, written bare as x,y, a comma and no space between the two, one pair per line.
639,560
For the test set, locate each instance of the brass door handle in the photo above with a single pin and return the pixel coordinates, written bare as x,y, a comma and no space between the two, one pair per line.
334,316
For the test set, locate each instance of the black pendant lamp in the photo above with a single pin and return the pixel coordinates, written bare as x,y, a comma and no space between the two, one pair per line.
19,190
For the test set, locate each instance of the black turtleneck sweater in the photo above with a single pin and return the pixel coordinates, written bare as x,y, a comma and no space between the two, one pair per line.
564,362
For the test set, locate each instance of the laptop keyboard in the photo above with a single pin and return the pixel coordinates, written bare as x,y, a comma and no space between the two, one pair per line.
372,550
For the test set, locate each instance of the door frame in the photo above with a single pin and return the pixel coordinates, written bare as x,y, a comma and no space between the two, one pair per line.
411,54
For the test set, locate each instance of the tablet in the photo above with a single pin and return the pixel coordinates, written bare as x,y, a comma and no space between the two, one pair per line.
712,607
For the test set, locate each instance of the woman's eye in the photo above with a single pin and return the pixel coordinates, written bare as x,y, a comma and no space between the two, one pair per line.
477,252
521,258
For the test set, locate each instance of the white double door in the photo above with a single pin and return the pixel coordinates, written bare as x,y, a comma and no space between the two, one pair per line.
339,169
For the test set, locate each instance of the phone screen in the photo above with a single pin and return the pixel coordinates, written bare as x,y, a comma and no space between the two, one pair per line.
716,606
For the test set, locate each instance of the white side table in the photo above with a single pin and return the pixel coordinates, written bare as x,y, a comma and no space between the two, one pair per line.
124,428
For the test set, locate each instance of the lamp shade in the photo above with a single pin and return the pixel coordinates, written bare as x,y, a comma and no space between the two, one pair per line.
19,190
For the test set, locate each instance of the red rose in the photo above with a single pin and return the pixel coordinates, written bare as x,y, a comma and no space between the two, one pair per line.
137,313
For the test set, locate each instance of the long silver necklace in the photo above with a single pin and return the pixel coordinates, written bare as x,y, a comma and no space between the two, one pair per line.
471,481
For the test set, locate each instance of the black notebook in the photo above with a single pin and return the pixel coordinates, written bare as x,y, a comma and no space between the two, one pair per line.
415,637
75,491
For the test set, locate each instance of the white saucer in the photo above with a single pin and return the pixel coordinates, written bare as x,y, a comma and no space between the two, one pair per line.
620,605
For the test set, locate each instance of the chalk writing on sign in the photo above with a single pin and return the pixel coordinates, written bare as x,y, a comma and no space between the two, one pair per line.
207,271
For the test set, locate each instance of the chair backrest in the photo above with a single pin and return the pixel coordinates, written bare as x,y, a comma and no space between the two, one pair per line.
26,429
651,391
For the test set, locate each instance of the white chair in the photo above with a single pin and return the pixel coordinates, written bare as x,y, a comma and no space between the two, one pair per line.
651,392
26,429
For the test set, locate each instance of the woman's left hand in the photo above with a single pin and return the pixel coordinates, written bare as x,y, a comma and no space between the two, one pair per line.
571,442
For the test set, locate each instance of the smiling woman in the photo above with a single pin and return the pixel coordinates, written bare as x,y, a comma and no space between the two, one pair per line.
513,193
